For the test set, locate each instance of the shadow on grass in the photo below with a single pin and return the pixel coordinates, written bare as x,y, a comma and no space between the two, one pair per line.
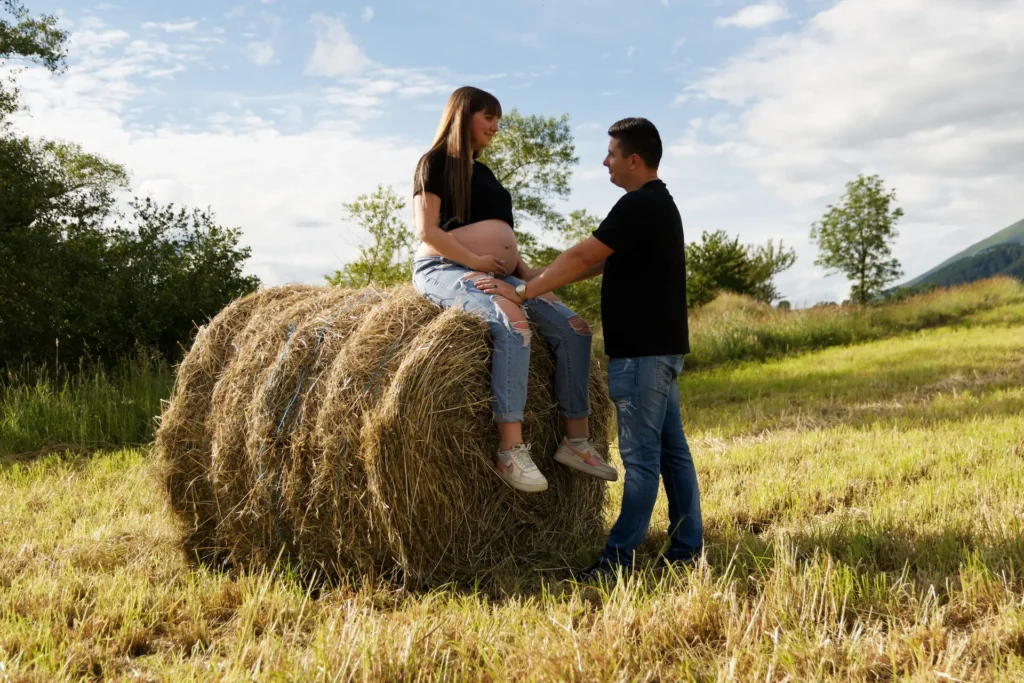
65,453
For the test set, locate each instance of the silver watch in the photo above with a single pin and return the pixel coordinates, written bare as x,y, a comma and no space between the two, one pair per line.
521,290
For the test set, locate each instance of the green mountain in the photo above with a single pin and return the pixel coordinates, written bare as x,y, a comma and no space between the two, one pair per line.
982,257
1002,259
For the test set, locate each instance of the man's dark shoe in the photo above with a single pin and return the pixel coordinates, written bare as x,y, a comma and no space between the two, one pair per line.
602,571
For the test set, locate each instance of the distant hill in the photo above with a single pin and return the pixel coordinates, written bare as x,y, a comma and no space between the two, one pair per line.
1002,259
983,250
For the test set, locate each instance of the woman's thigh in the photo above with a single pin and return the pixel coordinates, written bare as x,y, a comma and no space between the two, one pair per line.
453,286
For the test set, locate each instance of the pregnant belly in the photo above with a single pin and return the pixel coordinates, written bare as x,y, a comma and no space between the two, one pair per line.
492,237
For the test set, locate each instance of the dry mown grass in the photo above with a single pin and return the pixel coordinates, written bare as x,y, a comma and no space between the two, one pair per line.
864,522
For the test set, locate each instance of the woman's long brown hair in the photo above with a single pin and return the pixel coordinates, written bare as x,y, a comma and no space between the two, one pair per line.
453,138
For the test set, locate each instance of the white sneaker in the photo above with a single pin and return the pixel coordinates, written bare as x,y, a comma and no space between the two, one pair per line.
516,467
584,457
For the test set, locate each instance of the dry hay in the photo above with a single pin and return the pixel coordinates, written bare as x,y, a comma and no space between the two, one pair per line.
184,436
351,431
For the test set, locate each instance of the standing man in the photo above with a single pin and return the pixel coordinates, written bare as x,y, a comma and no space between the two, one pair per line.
639,248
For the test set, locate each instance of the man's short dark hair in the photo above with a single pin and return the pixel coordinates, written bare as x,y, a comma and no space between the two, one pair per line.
638,136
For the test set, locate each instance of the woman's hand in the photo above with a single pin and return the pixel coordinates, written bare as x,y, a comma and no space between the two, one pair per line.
489,264
492,285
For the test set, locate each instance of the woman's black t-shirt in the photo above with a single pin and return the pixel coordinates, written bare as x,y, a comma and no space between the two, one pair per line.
488,199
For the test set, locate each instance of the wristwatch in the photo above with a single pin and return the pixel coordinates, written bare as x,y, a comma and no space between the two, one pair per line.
521,290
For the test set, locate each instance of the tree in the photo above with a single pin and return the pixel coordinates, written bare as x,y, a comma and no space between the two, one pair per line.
27,38
65,274
855,237
533,157
387,260
53,201
718,262
767,261
171,269
55,184
582,297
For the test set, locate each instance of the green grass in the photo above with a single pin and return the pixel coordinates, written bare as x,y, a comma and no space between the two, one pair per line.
863,509
87,409
733,328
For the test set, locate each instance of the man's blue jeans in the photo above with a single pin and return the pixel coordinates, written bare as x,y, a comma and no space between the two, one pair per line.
645,391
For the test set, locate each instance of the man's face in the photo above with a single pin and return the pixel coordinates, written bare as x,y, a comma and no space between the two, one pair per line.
619,167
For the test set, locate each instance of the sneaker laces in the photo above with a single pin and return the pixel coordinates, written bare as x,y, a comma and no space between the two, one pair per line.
521,456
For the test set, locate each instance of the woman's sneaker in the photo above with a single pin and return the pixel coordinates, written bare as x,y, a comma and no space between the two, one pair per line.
581,454
516,467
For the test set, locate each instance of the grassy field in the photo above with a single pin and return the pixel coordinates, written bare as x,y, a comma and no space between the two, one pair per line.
864,509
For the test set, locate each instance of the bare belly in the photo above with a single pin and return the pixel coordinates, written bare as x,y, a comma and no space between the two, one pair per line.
492,237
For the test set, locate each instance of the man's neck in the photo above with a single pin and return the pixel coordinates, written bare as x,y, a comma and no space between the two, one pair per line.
640,181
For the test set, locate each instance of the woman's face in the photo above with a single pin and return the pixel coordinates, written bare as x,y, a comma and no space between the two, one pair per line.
482,128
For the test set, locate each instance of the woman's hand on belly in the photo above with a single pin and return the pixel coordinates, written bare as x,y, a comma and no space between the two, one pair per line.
494,243
488,263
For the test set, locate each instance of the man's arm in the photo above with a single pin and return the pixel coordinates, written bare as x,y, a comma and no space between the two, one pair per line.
592,271
580,261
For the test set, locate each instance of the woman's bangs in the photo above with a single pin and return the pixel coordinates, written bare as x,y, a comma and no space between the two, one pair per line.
487,103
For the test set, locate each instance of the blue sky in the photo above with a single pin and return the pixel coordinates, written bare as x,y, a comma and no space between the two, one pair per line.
276,113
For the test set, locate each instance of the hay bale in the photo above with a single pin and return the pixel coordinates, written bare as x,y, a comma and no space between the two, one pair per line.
351,430
428,454
184,435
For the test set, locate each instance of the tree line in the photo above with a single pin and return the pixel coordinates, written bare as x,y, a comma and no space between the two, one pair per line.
80,276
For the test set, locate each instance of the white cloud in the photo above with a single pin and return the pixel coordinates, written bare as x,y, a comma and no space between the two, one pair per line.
678,44
925,92
91,41
261,53
630,51
172,27
284,190
367,13
756,16
335,53
281,172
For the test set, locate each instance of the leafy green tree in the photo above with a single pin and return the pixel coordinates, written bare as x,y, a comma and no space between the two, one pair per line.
25,38
718,262
713,264
66,276
766,261
387,259
53,201
855,237
172,268
583,297
55,184
533,158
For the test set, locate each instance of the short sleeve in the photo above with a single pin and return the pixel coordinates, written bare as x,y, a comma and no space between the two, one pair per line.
434,182
618,231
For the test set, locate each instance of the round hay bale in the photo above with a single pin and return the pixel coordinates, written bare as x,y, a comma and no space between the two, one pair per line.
428,452
351,431
254,406
184,434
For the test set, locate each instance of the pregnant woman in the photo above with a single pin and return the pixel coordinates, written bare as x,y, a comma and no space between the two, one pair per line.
463,216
